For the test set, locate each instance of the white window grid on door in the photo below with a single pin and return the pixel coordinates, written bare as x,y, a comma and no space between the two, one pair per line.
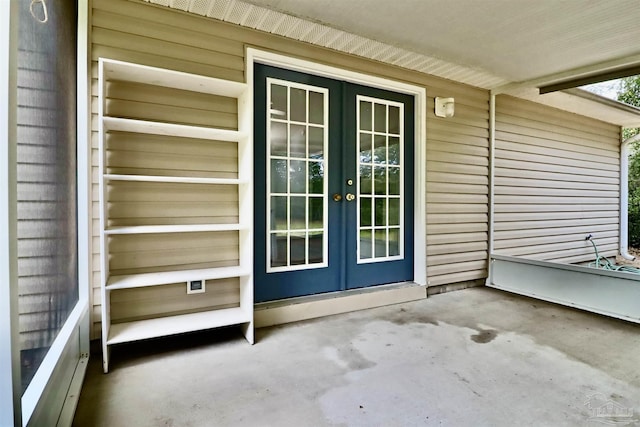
383,196
323,164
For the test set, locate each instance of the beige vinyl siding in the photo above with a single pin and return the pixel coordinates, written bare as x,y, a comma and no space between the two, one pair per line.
143,303
457,190
457,148
557,179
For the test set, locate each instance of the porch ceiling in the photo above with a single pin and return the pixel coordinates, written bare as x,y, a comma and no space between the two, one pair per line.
516,40
489,44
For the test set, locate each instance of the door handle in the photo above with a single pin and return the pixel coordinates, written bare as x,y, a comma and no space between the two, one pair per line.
337,197
350,197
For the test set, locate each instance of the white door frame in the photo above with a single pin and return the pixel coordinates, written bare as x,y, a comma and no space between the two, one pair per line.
420,95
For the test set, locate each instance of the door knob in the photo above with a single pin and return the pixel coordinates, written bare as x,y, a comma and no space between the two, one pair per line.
337,197
350,197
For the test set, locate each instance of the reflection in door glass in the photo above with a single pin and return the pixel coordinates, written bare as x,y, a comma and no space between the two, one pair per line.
364,115
298,176
279,95
297,248
298,141
297,213
279,213
380,149
278,176
279,138
297,204
278,249
316,247
380,186
316,142
380,117
365,148
298,107
316,214
316,108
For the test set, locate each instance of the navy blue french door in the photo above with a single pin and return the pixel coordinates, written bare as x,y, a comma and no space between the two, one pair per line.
333,185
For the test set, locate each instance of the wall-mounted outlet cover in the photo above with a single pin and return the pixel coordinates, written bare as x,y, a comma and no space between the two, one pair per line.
195,287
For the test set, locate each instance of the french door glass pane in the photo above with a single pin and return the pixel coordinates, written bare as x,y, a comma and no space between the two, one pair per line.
316,108
279,214
365,211
379,149
298,249
365,113
298,176
278,246
316,249
380,218
279,176
316,177
316,213
394,120
298,141
316,142
278,139
279,96
298,106
297,145
366,235
298,213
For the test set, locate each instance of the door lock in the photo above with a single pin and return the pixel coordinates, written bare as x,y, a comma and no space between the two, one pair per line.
350,197
349,182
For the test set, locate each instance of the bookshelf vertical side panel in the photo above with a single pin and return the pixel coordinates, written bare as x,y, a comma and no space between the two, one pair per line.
104,255
245,168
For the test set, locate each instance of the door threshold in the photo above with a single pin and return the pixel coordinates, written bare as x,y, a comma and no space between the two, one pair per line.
313,306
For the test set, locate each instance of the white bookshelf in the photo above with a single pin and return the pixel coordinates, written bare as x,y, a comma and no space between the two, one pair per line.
178,324
173,179
163,325
136,73
184,228
165,277
118,124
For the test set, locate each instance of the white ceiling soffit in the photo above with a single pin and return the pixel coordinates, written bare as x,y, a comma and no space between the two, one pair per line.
517,40
512,45
287,25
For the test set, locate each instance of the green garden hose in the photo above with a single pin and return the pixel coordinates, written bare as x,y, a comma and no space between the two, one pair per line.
604,264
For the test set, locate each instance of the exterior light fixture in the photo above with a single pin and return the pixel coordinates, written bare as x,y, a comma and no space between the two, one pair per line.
445,107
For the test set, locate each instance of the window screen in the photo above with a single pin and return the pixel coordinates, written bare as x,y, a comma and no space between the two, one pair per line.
46,175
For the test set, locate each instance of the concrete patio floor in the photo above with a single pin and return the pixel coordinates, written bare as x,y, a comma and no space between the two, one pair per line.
476,357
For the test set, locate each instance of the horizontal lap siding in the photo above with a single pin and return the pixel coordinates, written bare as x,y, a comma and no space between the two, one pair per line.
168,300
457,148
457,184
557,179
457,190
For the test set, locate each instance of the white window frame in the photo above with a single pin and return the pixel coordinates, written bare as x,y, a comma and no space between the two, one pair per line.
325,183
254,56
402,136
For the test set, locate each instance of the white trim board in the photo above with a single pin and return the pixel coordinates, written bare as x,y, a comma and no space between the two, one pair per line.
254,56
315,306
10,388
